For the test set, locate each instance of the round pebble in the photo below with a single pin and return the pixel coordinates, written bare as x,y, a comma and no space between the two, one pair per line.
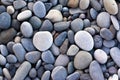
115,22
19,4
33,73
10,9
3,50
73,3
73,50
84,4
11,58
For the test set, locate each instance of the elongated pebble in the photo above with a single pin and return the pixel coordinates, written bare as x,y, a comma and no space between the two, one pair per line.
6,73
115,22
46,75
2,60
84,4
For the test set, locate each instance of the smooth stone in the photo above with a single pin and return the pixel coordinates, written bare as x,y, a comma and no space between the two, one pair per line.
9,46
15,24
58,7
40,72
38,64
27,44
11,58
40,37
111,6
5,20
39,9
33,56
113,77
64,47
46,26
100,56
85,77
90,30
109,44
93,13
7,35
6,2
55,50
2,9
70,36
2,60
84,42
35,22
81,57
77,25
106,49
49,67
48,57
73,3
115,22
86,22
26,29
33,73
19,4
73,76
112,70
63,2
118,36
3,50
61,26
106,34
84,4
59,73
46,75
95,4
103,22
73,50
22,71
114,53
95,71
60,38
10,9
19,52
48,6
118,14
76,10
98,41
30,6
118,72
54,15
54,2
62,60
70,68
6,73
24,15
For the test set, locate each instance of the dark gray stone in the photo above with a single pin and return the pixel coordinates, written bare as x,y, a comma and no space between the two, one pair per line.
71,36
63,2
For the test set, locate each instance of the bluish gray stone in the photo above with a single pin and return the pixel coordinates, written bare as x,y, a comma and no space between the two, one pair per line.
54,2
49,67
30,6
46,75
93,13
71,36
2,9
40,72
18,4
15,24
48,6
33,73
6,2
98,41
91,30
73,76
5,20
70,67
85,77
86,23
3,50
109,43
11,58
9,46
63,2
95,4
39,9
2,60
55,50
38,64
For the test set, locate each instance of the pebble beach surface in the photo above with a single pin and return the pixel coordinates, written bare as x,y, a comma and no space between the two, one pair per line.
59,39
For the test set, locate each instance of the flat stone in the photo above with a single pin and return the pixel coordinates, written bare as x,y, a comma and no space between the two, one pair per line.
73,50
85,77
48,6
6,73
109,44
49,67
84,4
2,9
90,30
70,67
2,60
93,13
19,4
84,42
115,22
54,2
46,75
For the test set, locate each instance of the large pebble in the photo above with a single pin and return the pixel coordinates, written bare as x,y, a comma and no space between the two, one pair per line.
84,4
95,71
5,20
26,29
84,42
46,75
39,9
24,15
33,56
59,73
43,37
22,71
103,20
100,56
73,49
111,6
82,60
114,53
2,60
115,22
73,3
19,4
54,15
62,60
95,4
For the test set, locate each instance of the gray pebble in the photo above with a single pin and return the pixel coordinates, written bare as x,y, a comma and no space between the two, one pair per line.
95,4
2,9
48,57
73,76
38,64
48,6
98,41
77,24
118,36
46,75
22,71
54,2
93,13
91,30
39,9
19,4
33,73
15,24
19,51
70,36
6,2
106,49
59,73
115,22
9,46
85,77
70,67
33,56
63,2
3,50
40,72
2,60
86,23
109,44
49,67
30,6
58,7
55,50
112,70
6,73
11,58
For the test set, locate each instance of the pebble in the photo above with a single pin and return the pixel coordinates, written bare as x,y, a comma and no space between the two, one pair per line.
95,71
33,56
95,4
73,50
35,22
70,36
24,15
63,2
54,15
5,20
39,9
62,60
38,64
70,67
2,9
19,4
11,58
55,50
106,34
118,36
48,57
33,73
19,51
90,30
103,22
114,77
9,46
22,71
85,77
118,14
100,56
2,60
93,13
81,57
77,25
73,76
84,4
112,70
6,73
3,50
59,73
40,71
40,37
54,2
118,72
48,6
114,53
15,24
84,42
64,47
111,6
10,9
73,3
30,6
115,22
61,26
109,44
86,22
46,26
60,38
46,75
49,67
26,29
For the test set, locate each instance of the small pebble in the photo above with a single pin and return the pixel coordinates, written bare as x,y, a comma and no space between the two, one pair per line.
73,3
112,70
55,50
2,60
49,67
64,47
73,50
109,44
98,41
46,75
10,9
6,73
3,50
85,77
95,4
11,58
70,36
73,76
33,73
70,67
84,4
115,22
93,13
